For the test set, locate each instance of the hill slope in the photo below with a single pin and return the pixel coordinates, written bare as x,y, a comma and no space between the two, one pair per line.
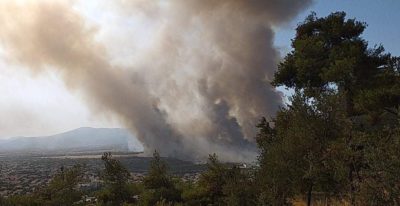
81,139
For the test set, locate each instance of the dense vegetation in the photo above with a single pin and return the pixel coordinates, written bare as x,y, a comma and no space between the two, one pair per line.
338,139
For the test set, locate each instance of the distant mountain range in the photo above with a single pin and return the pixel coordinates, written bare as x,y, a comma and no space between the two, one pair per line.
83,139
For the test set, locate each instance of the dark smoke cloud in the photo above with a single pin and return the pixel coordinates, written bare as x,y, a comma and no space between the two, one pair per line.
198,89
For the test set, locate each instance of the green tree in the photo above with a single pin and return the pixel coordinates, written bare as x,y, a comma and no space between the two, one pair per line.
239,189
115,176
298,153
158,184
193,194
330,52
381,185
63,188
339,81
273,177
213,180
23,200
223,184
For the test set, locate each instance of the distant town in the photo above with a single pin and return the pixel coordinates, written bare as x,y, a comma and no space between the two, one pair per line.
22,174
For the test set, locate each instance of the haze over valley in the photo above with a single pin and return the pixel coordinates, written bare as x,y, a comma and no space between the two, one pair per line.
83,139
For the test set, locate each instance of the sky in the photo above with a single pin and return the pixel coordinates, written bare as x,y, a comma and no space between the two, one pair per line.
41,104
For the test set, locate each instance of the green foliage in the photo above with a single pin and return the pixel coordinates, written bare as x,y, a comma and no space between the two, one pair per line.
62,189
221,185
330,52
385,93
339,136
239,189
157,176
381,180
116,182
22,200
193,194
298,155
274,175
158,185
213,180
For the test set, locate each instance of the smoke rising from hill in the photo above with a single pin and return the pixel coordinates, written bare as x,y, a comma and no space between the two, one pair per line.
199,85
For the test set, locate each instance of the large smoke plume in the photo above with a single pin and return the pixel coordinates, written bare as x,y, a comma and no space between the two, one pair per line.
198,86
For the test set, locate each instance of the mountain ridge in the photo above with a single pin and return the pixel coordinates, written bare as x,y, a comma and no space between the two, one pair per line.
79,139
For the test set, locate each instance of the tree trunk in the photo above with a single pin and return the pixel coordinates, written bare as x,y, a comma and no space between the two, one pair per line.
349,103
352,186
309,195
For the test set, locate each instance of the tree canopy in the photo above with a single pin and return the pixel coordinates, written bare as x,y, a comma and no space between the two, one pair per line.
337,135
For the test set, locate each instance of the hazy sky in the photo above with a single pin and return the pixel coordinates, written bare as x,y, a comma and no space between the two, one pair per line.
40,104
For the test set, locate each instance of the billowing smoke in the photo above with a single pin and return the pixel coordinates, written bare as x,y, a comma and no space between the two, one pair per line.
199,84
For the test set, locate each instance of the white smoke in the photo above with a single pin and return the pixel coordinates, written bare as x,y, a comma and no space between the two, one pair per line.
196,84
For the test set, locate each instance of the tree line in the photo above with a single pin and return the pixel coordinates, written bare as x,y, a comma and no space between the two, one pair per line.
337,140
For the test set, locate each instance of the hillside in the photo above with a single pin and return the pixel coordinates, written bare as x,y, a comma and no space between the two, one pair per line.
77,140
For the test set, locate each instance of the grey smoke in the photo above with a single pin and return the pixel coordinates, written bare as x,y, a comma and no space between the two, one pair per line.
200,86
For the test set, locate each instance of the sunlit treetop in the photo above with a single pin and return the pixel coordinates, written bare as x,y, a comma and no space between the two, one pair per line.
330,50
